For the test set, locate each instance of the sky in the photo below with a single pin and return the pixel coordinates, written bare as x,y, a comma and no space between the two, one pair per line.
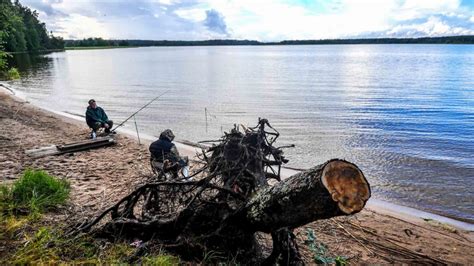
262,20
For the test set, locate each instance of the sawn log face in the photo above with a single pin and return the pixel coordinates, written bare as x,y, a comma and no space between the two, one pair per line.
303,198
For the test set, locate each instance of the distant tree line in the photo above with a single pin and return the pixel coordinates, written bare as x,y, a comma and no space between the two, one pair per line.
465,39
193,43
95,42
21,30
425,40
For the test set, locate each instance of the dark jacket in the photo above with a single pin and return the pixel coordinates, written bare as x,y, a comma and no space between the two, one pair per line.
95,115
164,149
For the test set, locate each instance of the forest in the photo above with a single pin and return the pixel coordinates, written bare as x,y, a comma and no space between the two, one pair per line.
22,31
97,42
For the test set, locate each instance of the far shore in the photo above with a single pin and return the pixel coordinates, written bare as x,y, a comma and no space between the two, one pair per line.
39,51
116,170
96,47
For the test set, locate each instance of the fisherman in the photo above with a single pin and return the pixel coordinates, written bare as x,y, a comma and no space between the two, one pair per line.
96,118
165,156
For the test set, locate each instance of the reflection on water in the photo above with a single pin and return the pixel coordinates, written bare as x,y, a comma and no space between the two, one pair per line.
403,113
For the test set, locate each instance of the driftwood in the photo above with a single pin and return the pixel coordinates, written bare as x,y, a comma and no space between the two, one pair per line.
230,200
71,147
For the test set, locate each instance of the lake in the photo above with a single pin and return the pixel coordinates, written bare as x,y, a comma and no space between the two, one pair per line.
403,113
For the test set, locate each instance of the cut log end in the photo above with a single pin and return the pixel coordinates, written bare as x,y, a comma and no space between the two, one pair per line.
347,185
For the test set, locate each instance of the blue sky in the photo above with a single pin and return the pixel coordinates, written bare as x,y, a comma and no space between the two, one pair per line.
264,20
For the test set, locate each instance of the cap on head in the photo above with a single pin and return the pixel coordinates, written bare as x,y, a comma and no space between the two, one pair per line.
91,101
167,134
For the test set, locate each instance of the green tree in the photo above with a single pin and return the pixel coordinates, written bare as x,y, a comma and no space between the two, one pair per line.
5,72
22,30
56,42
11,24
30,20
3,54
3,61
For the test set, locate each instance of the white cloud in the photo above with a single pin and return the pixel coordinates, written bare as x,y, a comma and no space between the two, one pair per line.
433,27
195,14
77,26
265,20
165,2
274,20
413,9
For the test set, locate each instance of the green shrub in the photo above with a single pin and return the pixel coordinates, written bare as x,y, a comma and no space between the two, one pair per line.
34,192
13,73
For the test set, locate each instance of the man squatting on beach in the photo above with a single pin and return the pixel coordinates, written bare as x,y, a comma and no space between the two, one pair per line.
96,118
164,149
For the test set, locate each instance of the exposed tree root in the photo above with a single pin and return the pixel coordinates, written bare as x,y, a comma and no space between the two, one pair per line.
231,200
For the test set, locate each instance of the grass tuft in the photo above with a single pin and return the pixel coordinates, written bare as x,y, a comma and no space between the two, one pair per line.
34,192
10,225
161,260
36,249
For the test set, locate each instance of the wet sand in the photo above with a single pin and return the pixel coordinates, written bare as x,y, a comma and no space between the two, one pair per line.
100,177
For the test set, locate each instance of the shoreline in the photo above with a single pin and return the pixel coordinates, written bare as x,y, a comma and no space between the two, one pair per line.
80,48
101,177
377,205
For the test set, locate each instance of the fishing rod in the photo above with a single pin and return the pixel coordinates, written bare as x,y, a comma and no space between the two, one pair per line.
143,107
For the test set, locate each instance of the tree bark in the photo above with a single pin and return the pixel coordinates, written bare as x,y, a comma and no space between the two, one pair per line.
334,188
331,189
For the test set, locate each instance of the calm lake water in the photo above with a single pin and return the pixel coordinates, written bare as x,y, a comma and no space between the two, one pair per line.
403,113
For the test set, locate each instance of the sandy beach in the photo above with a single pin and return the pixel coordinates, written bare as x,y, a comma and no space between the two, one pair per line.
102,176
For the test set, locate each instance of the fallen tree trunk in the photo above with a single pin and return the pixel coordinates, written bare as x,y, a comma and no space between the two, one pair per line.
334,188
231,201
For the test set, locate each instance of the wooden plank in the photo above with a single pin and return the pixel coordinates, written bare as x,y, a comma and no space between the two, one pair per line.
44,151
86,144
41,149
71,147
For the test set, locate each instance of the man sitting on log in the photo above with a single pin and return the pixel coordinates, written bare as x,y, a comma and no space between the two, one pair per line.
96,118
165,157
